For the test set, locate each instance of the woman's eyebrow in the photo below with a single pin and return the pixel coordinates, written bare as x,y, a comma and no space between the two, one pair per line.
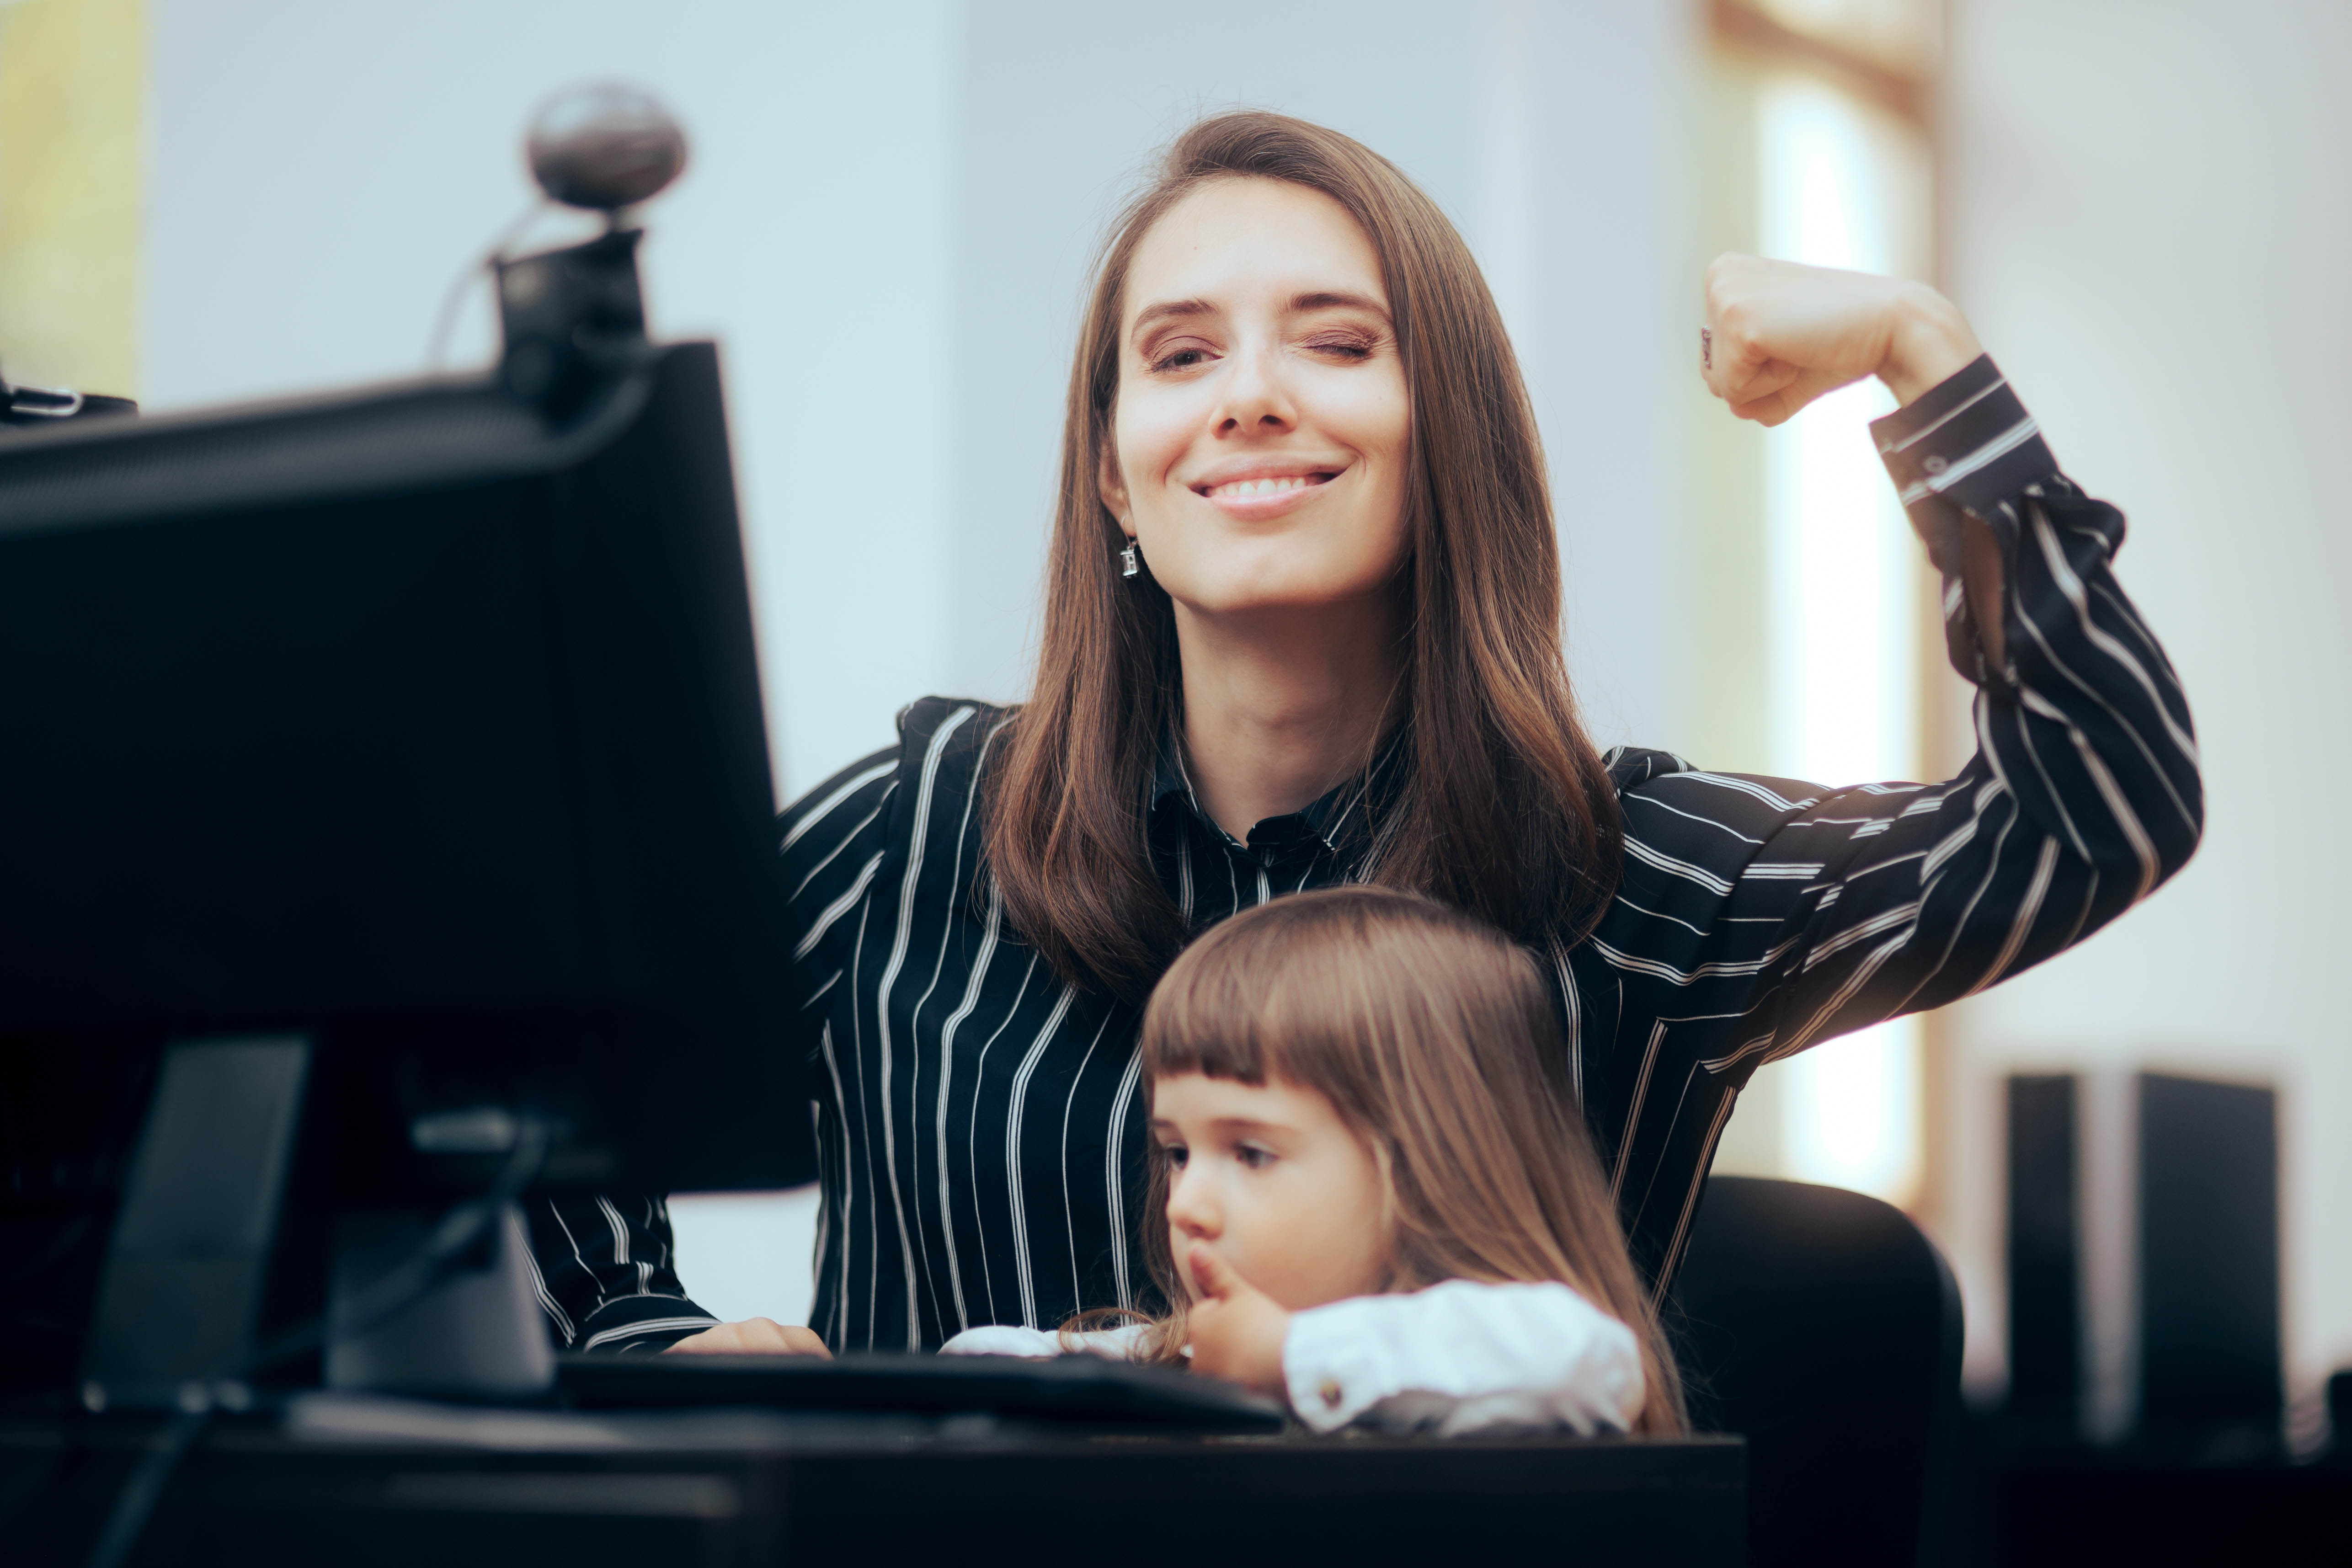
1313,299
1164,311
1335,300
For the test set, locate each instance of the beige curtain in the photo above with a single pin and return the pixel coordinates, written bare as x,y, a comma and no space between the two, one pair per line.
72,76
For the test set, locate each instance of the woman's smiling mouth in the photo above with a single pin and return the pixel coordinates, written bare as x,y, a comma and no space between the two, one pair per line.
1266,487
1255,497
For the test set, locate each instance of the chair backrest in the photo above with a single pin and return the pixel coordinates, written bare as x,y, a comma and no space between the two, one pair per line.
1824,1327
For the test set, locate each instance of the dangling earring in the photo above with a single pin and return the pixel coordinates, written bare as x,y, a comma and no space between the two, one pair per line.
1130,563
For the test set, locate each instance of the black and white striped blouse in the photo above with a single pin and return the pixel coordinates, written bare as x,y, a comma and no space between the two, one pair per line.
981,1123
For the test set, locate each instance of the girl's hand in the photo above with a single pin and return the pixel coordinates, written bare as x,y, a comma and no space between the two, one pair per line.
1237,1330
753,1336
1779,335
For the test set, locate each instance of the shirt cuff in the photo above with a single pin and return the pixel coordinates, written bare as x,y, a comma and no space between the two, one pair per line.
1967,439
1331,1362
637,1324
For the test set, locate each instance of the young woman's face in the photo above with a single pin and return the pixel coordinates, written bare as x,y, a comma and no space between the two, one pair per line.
1259,444
1272,1179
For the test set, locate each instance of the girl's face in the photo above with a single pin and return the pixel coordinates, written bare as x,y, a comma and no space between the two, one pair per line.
1258,448
1280,1187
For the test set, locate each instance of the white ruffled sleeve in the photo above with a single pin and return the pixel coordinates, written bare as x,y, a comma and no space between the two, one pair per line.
1462,1357
1010,1339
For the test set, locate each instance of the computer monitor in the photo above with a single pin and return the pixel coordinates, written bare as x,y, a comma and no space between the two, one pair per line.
422,725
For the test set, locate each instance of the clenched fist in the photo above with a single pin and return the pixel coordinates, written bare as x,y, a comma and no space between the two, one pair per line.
1781,334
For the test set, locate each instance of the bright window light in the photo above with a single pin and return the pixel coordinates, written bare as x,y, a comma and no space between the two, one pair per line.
1844,636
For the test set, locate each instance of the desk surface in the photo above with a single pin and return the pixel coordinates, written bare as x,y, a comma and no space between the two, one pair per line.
739,1486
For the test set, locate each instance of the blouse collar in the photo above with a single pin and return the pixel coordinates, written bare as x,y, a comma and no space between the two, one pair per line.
1341,819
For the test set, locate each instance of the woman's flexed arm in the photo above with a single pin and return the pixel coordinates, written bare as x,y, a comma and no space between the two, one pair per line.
1775,914
1757,917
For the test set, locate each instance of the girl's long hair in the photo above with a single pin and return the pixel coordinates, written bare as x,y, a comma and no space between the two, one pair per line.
1504,807
1431,1034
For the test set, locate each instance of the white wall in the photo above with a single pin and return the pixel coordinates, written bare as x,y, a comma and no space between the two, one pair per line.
887,223
2149,219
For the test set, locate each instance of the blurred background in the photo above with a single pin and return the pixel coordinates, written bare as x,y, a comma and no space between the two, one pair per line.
888,221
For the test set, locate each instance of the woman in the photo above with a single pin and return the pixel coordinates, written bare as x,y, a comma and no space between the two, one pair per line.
1301,629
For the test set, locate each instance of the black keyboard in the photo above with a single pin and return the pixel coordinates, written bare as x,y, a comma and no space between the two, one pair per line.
1074,1390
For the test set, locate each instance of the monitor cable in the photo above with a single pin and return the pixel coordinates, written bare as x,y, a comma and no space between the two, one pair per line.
444,322
460,1237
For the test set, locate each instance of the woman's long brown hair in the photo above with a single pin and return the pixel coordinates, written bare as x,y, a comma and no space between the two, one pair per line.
1504,809
1430,1034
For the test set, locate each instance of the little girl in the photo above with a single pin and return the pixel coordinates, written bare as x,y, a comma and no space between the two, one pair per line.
1380,1203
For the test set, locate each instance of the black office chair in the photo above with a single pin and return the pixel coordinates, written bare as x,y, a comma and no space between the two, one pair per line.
1825,1328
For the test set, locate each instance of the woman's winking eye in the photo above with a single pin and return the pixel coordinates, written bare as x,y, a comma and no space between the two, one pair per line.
1346,346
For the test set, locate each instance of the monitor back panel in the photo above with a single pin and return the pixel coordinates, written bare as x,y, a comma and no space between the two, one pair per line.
413,723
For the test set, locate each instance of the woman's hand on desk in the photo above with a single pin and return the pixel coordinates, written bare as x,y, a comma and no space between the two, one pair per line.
753,1336
1779,335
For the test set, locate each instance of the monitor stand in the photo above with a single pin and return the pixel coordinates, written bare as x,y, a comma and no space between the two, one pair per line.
476,1333
187,1274
202,1235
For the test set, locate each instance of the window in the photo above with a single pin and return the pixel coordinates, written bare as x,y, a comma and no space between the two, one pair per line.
1842,176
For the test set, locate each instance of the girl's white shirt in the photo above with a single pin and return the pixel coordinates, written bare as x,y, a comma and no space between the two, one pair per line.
1455,1358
